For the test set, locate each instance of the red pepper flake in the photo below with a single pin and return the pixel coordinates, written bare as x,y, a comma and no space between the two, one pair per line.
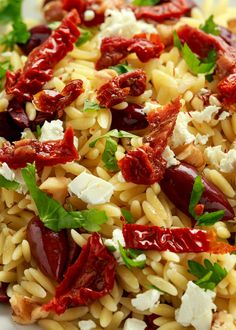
170,10
117,89
115,49
48,153
199,209
52,101
38,68
145,165
91,277
178,240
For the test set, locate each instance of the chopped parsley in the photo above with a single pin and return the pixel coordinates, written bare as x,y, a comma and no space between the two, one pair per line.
130,257
204,66
127,215
85,35
121,68
8,184
209,275
210,26
10,10
91,106
53,214
108,156
145,2
206,219
4,66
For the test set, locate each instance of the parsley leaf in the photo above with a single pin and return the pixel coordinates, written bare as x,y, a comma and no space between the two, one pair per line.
127,258
121,68
91,106
4,66
196,65
19,34
8,184
10,10
145,2
85,35
108,156
210,26
127,215
114,133
208,275
206,219
53,215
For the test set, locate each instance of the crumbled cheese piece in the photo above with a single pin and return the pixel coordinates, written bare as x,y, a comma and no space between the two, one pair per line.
224,115
52,131
123,23
146,300
196,307
223,321
134,324
150,106
206,115
91,189
87,325
6,172
169,156
225,161
89,15
181,134
201,139
117,237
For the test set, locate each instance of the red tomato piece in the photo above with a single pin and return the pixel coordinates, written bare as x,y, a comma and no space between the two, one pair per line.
91,277
38,69
48,153
53,101
117,89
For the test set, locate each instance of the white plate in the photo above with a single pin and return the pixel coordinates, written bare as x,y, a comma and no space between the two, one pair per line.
30,10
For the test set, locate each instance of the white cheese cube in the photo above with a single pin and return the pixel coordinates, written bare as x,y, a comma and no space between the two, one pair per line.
146,300
196,307
117,237
91,189
52,131
87,325
134,324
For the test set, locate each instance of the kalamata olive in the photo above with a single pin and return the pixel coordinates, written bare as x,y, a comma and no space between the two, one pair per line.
3,294
228,36
178,182
38,34
49,248
131,118
8,129
17,112
74,249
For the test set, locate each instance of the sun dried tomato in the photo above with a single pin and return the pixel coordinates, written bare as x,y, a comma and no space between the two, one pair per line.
52,101
178,240
48,153
38,34
38,69
170,10
227,89
131,118
117,89
91,277
145,165
115,49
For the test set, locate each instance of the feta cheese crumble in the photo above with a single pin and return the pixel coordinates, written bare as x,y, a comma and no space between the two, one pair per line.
6,172
91,189
87,325
169,156
224,161
181,134
134,324
52,131
123,23
16,175
206,115
146,300
150,106
196,307
117,237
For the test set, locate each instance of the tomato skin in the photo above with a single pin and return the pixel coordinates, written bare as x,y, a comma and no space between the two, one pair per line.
91,277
